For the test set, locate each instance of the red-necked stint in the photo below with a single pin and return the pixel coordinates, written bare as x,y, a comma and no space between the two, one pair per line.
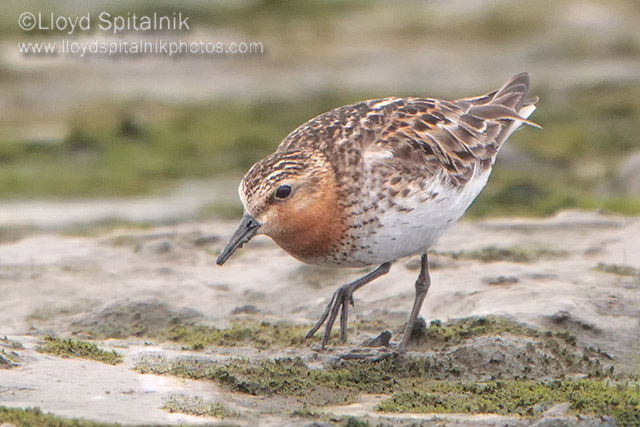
376,181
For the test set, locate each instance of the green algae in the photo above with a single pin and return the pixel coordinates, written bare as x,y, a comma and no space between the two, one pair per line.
454,332
35,417
292,377
343,382
155,321
260,335
282,377
322,417
99,155
618,269
540,354
80,349
355,422
525,398
193,405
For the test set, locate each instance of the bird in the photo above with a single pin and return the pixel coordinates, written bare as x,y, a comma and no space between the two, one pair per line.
373,182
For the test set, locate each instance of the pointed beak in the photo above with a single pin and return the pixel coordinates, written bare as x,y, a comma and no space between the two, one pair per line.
246,230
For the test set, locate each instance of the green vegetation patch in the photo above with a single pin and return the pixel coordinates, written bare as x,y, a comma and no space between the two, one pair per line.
248,333
145,318
76,348
495,347
282,377
618,269
142,147
100,149
456,331
354,422
510,254
323,418
525,398
157,321
34,417
146,147
342,382
261,335
196,406
532,354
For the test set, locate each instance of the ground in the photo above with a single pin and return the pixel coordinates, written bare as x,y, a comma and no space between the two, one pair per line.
116,175
554,298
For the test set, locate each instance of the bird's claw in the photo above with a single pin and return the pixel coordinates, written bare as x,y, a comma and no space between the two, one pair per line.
340,302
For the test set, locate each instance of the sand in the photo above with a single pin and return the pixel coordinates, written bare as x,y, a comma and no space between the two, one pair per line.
59,283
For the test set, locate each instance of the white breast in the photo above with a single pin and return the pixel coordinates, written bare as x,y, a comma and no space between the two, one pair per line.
403,233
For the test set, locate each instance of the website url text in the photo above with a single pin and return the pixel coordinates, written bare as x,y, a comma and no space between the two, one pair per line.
139,47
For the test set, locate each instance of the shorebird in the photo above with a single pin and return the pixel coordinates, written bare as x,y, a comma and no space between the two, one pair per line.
370,183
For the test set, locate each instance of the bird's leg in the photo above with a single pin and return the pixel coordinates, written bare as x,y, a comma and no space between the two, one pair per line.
341,300
422,286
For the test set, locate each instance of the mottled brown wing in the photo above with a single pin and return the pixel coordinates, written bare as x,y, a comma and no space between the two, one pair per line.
419,136
416,136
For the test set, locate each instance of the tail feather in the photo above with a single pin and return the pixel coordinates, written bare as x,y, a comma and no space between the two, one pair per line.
518,86
509,104
513,96
501,112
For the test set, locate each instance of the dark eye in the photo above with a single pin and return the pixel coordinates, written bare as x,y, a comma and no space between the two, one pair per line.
283,192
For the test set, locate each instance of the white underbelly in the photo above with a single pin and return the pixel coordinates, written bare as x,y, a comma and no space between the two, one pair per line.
401,233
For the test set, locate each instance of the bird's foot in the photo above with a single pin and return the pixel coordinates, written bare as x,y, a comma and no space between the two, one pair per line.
340,302
372,349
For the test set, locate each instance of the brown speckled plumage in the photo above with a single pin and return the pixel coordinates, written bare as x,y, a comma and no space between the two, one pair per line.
381,179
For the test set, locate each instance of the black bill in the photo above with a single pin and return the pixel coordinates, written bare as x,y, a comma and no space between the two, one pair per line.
246,230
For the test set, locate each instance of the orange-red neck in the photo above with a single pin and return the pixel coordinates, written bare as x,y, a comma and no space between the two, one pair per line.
310,231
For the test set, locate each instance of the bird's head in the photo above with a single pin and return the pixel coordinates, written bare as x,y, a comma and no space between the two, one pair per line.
292,198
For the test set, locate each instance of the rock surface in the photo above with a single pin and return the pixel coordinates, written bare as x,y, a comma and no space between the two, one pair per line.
66,285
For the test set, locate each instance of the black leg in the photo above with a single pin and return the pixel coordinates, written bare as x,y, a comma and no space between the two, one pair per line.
341,300
422,286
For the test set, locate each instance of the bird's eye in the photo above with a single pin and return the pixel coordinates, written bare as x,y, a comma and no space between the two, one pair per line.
282,192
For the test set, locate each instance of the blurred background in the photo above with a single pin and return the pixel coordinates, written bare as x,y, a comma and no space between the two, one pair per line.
152,138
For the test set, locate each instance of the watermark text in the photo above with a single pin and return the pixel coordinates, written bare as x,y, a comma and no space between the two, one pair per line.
139,48
103,21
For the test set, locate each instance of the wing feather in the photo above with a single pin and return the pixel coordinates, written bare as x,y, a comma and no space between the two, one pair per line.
419,139
452,139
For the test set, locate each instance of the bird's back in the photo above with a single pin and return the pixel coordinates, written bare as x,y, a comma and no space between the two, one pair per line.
409,167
